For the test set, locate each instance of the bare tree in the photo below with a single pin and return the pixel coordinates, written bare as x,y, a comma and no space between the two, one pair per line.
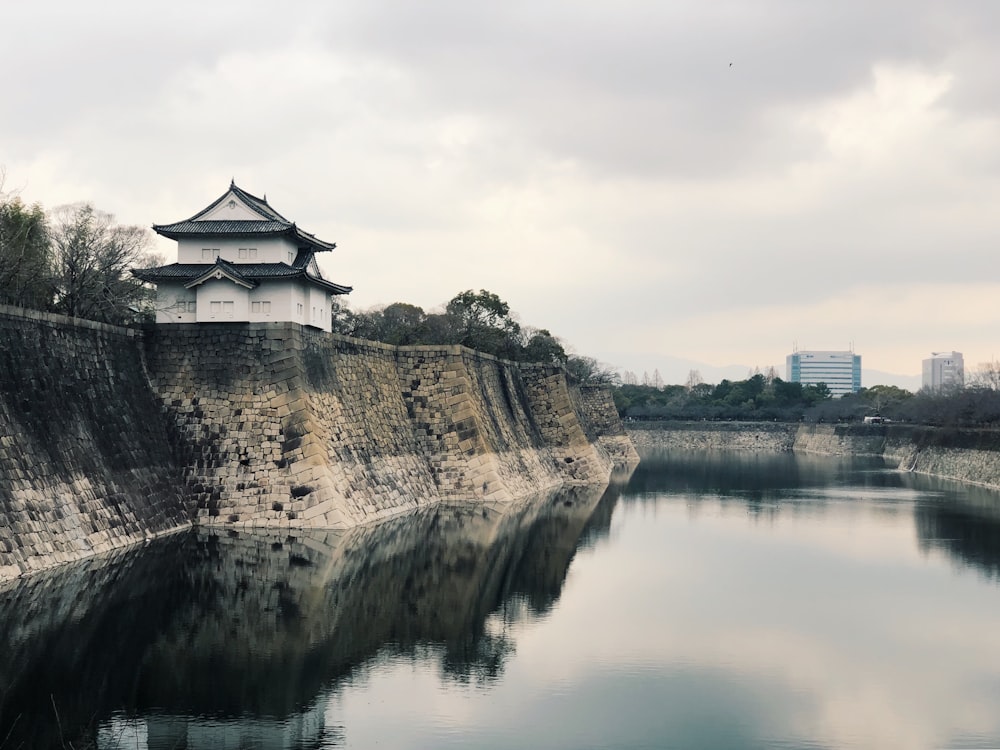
92,259
694,379
986,375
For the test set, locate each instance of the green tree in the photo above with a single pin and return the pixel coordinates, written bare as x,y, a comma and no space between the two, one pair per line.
813,394
542,346
403,324
484,323
25,255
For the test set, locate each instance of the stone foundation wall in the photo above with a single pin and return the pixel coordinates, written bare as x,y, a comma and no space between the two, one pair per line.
281,425
109,436
962,454
85,466
603,426
758,436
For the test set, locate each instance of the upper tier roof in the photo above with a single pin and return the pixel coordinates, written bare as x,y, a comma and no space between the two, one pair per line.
238,213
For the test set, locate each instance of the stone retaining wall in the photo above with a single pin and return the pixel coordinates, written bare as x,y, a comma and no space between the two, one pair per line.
759,436
966,455
109,436
84,463
602,424
281,425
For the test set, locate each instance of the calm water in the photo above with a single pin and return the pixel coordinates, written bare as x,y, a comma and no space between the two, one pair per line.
707,601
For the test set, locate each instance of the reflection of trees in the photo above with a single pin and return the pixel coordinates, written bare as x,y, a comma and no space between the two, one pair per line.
238,625
751,475
966,526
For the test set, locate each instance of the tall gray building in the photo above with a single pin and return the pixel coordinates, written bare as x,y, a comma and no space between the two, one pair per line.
841,371
944,370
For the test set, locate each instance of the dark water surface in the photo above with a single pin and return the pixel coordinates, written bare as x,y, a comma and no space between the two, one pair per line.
715,600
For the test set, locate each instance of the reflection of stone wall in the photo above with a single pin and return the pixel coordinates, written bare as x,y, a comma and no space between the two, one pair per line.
229,624
84,463
280,425
73,637
291,612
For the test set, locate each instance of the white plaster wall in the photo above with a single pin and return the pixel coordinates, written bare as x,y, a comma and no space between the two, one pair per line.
285,298
230,209
298,295
167,310
280,295
269,249
317,309
222,290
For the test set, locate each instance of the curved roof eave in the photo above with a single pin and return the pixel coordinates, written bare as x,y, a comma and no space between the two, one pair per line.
190,229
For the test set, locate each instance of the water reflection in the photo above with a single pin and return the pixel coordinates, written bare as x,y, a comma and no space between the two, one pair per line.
210,636
713,600
960,520
761,476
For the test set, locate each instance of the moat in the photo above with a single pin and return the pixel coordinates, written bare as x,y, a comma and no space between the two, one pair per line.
711,600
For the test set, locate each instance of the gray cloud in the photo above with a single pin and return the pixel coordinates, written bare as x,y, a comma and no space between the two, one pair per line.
604,169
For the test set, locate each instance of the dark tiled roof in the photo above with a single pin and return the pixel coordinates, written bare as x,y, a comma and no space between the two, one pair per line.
259,204
222,227
270,222
249,271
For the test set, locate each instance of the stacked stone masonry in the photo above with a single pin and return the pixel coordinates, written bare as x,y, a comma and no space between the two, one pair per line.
109,436
281,425
84,466
965,455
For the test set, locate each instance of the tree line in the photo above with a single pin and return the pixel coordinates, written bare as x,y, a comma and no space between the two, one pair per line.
479,320
768,397
74,260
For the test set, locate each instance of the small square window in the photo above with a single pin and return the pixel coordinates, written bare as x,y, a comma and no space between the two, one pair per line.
216,307
192,306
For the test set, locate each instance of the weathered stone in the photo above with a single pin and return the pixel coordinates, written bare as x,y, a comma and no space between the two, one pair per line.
226,421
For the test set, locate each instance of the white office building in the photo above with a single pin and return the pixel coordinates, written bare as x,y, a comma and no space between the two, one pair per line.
839,370
943,370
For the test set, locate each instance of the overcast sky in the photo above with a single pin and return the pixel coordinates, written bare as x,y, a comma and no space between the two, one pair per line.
713,181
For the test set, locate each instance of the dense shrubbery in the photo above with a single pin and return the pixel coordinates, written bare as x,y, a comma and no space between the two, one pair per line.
479,320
